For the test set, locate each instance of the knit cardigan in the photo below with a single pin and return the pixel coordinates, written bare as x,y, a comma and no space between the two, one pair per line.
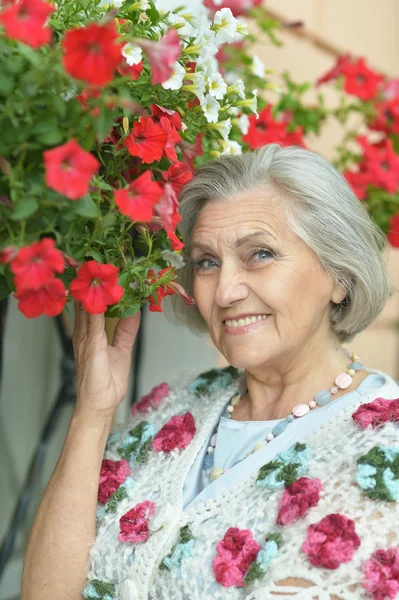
319,521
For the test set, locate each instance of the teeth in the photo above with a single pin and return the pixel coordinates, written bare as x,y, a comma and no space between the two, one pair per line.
246,321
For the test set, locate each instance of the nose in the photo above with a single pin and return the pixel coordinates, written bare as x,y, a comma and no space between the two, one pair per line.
231,287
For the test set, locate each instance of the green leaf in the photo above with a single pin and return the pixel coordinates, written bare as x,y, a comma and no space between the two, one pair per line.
24,209
124,279
5,290
104,122
86,207
108,221
128,311
27,52
52,138
95,254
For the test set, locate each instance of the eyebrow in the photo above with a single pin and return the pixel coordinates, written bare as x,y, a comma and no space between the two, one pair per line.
238,243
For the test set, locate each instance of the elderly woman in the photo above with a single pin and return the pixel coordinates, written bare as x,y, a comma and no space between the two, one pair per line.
275,477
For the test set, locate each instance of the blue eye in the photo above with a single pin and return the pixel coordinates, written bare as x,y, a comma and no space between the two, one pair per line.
199,264
266,253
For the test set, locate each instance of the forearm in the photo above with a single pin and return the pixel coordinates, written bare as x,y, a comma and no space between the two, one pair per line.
56,558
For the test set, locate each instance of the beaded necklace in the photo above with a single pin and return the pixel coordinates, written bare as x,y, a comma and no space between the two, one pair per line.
342,382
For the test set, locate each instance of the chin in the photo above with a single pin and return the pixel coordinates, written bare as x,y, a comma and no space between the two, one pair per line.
242,360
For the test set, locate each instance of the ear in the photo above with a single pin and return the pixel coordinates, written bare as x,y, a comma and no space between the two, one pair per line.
339,293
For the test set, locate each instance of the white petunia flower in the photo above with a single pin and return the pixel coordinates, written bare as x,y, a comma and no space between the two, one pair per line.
242,29
243,123
238,88
206,41
231,147
225,26
175,81
257,67
184,27
223,127
197,87
251,103
217,87
132,53
211,109
173,258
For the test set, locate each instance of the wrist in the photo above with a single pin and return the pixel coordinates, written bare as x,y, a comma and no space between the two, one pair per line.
94,419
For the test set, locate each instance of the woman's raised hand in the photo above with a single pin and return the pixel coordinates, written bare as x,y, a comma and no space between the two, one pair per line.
102,371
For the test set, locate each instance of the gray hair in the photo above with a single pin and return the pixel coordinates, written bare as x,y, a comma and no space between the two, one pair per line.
323,212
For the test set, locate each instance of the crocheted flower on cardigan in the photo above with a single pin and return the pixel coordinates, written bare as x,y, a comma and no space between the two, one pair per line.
137,443
134,524
378,473
151,400
285,468
120,494
270,551
381,574
297,499
177,433
213,380
331,542
235,552
112,474
183,549
97,589
377,413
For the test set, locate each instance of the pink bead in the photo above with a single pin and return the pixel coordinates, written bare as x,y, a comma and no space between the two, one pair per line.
343,381
300,410
312,404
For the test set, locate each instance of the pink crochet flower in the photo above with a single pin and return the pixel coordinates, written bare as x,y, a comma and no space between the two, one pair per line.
113,473
377,412
297,499
176,433
134,524
381,574
331,542
151,400
235,552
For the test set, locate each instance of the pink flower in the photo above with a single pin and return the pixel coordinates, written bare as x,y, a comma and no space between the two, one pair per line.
151,400
381,574
162,55
113,473
297,499
8,254
331,542
235,552
176,433
377,412
134,524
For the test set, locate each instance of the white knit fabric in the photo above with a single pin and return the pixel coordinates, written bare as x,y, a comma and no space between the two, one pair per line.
335,448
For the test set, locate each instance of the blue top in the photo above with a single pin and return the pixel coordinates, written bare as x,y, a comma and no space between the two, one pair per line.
236,438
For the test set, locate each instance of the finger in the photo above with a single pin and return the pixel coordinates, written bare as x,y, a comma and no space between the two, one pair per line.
80,324
96,324
126,332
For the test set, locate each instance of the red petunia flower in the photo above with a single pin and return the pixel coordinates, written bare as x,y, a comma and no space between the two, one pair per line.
172,140
297,499
137,201
86,96
8,254
178,175
113,473
155,304
336,71
49,299
35,265
172,115
96,286
25,21
151,400
387,116
168,209
331,542
390,89
69,169
190,151
393,233
237,7
381,574
162,55
376,413
360,80
176,434
266,130
147,140
92,53
134,524
132,71
235,552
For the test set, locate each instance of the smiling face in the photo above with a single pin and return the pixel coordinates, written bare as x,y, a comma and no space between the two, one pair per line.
249,263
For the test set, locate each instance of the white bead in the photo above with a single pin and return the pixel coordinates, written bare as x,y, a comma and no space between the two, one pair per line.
215,473
312,404
210,449
213,439
334,389
230,408
259,445
352,372
269,437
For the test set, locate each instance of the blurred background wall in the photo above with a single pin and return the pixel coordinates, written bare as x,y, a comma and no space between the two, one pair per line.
31,347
